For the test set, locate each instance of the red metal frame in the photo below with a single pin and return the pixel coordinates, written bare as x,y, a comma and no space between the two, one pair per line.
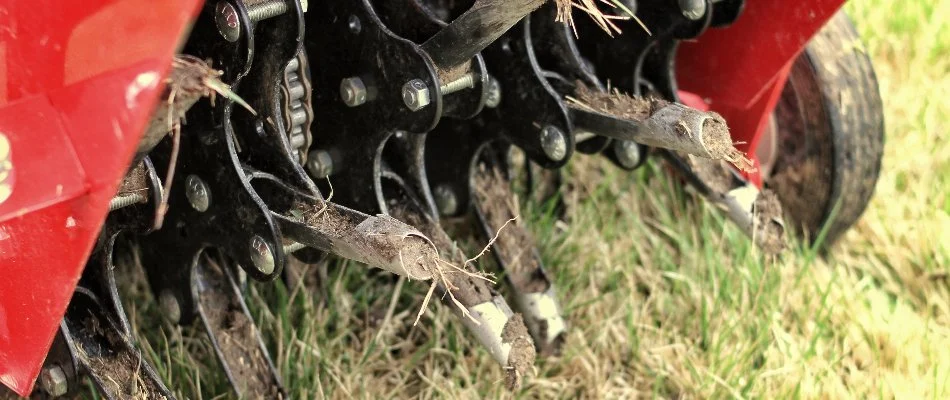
78,81
740,71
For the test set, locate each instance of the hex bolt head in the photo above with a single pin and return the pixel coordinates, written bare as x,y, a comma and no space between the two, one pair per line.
553,142
168,304
627,152
493,98
445,200
693,9
353,91
197,192
320,164
355,25
53,381
415,94
226,18
262,255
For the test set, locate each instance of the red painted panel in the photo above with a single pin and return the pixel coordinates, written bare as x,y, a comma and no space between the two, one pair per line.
739,71
78,81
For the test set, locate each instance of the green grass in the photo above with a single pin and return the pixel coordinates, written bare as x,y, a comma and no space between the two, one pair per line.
665,298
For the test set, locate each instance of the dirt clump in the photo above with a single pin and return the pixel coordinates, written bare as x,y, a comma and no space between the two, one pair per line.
718,142
522,354
769,231
134,181
515,247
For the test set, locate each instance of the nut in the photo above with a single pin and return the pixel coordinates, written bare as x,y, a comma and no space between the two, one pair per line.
415,94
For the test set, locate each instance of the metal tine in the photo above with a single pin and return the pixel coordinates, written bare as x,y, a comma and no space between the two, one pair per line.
379,241
237,341
490,313
756,212
104,353
517,254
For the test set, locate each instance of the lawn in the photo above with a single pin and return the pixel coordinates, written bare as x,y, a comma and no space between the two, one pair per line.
665,298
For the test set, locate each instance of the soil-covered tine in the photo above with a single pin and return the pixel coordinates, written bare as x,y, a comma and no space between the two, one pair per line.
486,314
236,340
104,353
655,123
516,252
757,212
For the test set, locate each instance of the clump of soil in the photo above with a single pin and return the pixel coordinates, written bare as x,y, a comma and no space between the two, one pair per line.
614,103
718,142
237,339
470,288
515,246
769,232
522,354
134,181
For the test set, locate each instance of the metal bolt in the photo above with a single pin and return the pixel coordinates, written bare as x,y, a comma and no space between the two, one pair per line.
197,192
267,9
353,91
553,142
415,94
493,99
226,18
445,199
125,201
467,81
693,9
320,163
53,381
293,247
262,256
229,23
168,304
355,25
627,152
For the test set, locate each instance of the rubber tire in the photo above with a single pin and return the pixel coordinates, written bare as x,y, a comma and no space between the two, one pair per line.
829,133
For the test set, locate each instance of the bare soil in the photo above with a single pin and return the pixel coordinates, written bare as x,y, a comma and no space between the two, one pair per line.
515,246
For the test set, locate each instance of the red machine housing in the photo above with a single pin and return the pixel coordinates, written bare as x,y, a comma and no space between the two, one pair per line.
78,82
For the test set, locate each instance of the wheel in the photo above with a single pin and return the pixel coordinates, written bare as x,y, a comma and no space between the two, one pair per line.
822,153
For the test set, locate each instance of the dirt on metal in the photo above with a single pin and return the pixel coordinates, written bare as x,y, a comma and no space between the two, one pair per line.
124,372
768,234
615,103
469,288
522,353
236,337
515,245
